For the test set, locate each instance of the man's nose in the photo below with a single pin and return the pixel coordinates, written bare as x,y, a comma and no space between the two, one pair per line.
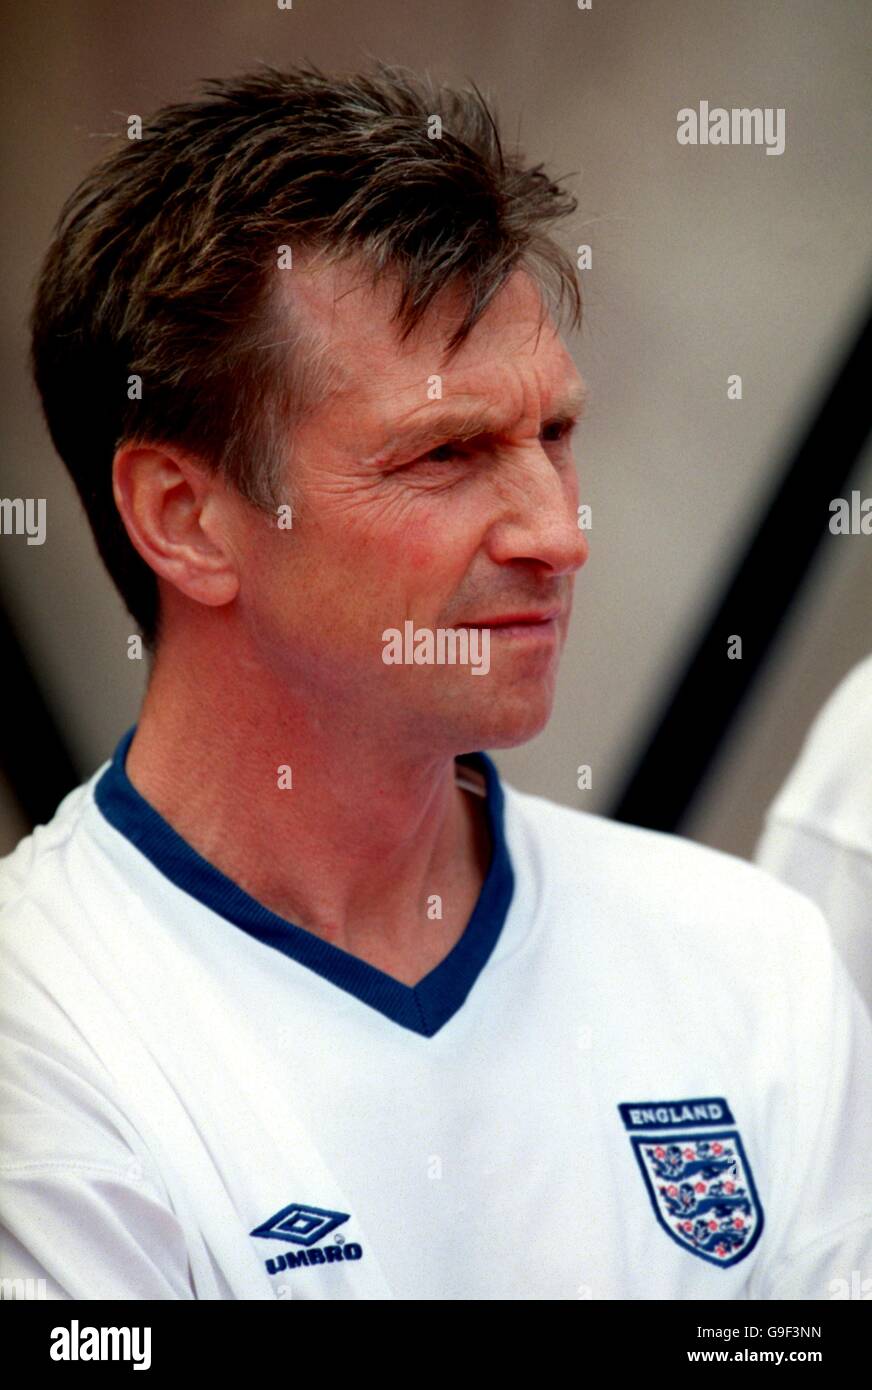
539,519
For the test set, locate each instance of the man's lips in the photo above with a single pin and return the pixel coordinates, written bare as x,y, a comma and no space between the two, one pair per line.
515,619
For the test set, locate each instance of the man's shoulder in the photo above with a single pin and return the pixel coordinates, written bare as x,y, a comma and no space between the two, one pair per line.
567,831
663,880
40,872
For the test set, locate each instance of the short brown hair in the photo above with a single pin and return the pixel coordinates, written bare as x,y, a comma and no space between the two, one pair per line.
163,259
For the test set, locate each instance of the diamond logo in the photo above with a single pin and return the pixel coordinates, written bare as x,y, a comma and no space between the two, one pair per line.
300,1224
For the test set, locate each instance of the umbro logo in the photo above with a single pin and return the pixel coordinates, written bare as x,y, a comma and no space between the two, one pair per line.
305,1225
301,1224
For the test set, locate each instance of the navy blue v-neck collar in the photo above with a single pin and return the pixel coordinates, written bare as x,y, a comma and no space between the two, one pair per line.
425,1007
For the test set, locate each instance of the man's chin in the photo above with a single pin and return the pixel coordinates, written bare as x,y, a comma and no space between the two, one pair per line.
509,727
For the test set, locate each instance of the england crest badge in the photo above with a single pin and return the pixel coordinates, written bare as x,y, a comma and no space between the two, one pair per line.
697,1175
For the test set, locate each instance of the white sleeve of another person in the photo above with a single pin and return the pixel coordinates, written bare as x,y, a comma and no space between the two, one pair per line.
817,835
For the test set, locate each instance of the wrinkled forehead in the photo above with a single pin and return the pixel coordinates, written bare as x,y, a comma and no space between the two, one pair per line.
352,316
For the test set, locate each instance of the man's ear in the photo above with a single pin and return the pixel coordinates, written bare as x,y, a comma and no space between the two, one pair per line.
177,515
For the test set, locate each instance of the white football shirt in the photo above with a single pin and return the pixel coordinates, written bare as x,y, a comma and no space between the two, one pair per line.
817,833
642,1072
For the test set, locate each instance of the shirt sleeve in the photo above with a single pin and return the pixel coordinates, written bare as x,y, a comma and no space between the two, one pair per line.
87,1233
83,1214
820,1218
835,875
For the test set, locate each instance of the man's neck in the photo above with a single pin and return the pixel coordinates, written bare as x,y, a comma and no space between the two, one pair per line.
357,847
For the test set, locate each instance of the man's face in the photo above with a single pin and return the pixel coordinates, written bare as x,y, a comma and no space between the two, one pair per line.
400,514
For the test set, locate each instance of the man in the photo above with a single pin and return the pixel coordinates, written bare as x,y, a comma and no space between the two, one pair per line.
300,1000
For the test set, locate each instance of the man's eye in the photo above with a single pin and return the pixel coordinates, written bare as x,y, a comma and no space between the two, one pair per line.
552,433
556,430
443,453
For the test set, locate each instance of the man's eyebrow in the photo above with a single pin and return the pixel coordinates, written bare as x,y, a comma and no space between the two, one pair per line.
571,404
447,423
